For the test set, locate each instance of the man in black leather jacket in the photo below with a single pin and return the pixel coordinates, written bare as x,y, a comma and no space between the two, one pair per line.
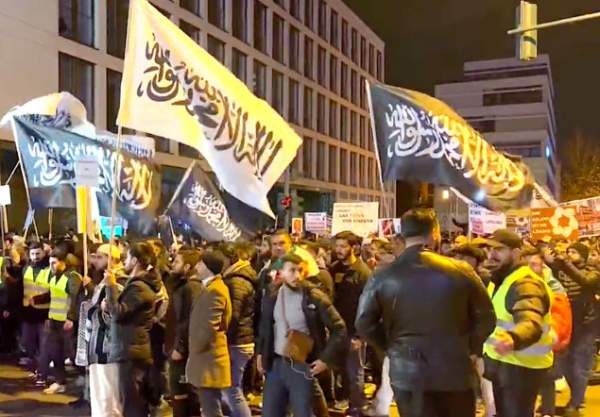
431,315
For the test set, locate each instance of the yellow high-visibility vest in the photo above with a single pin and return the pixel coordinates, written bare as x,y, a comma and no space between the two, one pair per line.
59,298
34,286
537,356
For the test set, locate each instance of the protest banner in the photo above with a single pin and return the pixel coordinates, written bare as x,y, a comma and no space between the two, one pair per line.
386,227
483,221
317,223
555,223
359,218
297,225
588,215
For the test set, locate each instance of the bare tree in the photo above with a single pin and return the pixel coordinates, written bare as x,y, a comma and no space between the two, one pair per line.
581,170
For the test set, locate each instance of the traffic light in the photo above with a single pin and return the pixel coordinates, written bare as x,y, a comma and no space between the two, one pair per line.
298,206
286,202
527,41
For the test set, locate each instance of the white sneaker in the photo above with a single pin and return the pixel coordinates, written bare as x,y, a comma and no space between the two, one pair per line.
560,384
68,362
55,388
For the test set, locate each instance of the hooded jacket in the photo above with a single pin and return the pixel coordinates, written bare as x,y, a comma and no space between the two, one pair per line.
132,313
241,281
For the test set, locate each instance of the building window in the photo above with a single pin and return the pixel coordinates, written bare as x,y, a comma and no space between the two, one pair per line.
333,164
379,66
281,3
308,58
190,30
76,20
362,92
295,9
260,27
344,77
483,125
307,157
277,92
354,46
259,75
370,174
353,171
353,87
161,144
321,161
278,39
361,172
216,48
345,43
308,108
370,144
322,69
116,24
113,98
293,97
309,19
344,124
513,95
353,135
321,113
77,77
194,6
238,63
372,60
187,151
322,12
333,28
344,166
363,53
216,13
362,132
294,48
240,19
333,71
333,120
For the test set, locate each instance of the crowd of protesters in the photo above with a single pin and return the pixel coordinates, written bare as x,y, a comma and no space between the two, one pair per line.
201,328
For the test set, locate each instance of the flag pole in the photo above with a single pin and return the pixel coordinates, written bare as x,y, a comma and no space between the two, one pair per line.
173,236
50,217
178,189
16,137
115,183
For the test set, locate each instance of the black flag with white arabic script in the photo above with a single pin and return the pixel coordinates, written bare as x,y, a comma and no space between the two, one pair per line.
420,138
49,154
198,204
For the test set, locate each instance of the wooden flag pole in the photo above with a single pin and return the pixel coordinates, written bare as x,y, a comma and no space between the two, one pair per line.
178,189
50,218
113,210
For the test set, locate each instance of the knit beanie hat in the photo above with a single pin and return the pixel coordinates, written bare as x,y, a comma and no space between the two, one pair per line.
583,250
214,261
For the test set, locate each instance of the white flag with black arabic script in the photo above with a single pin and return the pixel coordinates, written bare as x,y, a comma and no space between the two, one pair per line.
172,87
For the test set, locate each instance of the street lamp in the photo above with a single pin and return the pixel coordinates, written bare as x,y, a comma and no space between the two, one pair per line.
445,195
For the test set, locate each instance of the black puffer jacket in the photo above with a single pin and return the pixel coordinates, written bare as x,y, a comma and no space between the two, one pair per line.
349,281
429,313
581,283
324,323
181,298
241,281
132,312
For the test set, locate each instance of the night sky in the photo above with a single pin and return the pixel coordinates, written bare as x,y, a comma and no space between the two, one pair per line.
427,42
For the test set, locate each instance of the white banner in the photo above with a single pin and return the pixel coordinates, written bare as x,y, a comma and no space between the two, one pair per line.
173,88
318,223
483,221
359,218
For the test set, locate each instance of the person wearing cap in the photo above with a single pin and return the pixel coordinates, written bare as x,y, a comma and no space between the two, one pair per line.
519,351
293,306
580,281
208,366
94,342
430,315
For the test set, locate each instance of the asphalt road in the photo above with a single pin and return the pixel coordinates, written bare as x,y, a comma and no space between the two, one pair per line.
20,398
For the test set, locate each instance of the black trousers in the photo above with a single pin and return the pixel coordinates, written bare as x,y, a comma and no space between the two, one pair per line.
134,388
53,350
516,401
436,403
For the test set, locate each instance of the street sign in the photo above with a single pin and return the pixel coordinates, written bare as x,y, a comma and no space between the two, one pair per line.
5,195
87,172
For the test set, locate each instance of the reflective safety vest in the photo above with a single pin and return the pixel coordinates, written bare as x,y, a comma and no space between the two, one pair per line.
59,298
33,286
537,356
1,271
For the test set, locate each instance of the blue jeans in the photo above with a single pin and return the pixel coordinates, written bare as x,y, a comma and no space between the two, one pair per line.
234,396
288,384
579,361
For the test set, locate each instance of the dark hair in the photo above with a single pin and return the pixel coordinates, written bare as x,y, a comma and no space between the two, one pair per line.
144,253
290,257
59,253
190,257
35,245
349,237
418,222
